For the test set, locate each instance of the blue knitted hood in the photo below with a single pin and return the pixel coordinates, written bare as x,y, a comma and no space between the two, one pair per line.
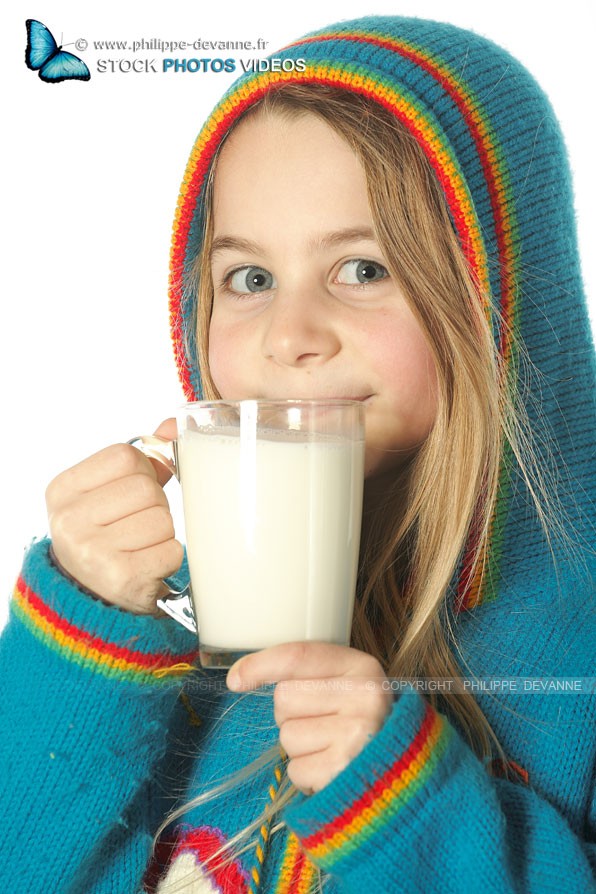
494,144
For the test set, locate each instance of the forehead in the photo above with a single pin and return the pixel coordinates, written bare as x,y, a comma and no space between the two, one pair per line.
282,168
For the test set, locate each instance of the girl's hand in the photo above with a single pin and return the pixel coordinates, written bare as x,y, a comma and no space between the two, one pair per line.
111,526
329,701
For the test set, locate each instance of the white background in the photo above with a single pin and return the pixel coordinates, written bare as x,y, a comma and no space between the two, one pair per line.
90,175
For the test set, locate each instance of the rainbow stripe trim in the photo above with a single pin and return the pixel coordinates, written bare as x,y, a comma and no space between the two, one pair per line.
296,874
390,794
429,134
92,652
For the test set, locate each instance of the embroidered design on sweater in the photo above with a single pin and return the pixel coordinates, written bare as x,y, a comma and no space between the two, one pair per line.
185,874
184,858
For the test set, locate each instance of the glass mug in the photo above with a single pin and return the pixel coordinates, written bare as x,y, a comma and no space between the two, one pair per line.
272,498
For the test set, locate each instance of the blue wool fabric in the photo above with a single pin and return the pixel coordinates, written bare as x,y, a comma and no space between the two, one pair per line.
106,724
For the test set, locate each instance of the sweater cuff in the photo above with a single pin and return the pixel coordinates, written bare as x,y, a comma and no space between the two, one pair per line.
391,776
93,634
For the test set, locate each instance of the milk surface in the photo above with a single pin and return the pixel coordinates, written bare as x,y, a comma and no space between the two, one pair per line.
273,532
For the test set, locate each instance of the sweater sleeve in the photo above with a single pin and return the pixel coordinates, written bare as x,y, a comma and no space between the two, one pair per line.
88,693
417,806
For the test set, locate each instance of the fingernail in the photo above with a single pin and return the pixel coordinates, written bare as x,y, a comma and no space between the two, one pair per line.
233,678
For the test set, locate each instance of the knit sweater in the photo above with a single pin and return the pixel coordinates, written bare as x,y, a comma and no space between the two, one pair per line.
106,725
104,729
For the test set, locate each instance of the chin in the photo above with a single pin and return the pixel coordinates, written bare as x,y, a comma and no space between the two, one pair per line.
385,464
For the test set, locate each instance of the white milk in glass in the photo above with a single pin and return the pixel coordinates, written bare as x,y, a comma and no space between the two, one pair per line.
272,536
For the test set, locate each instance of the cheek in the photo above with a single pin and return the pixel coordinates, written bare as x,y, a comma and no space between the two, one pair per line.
225,359
405,363
416,377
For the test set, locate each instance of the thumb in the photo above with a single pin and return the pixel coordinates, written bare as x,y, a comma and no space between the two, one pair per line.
168,431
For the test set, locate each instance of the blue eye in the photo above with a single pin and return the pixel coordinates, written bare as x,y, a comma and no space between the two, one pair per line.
251,279
360,271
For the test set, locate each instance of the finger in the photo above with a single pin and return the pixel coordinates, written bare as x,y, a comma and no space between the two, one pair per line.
302,660
330,695
110,464
144,529
340,738
167,429
307,736
123,498
312,772
108,504
154,564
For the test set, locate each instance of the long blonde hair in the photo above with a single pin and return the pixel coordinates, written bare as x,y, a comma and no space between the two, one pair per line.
414,544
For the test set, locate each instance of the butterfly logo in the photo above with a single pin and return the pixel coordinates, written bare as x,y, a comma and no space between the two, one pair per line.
54,63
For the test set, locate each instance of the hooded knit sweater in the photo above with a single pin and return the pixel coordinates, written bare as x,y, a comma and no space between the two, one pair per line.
105,725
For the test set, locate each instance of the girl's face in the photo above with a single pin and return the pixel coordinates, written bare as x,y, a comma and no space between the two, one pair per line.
303,304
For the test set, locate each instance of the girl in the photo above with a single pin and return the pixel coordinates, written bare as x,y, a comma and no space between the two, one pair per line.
387,215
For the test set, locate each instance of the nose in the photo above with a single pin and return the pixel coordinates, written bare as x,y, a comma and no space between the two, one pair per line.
301,328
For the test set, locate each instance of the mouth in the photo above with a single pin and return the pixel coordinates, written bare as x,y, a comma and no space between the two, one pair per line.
364,398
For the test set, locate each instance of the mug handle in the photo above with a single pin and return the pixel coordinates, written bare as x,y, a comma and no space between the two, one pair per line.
178,603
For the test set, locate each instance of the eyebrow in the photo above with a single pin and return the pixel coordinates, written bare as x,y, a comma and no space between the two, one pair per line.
318,243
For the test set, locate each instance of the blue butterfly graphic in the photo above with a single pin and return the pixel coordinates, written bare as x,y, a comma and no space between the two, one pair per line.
54,63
